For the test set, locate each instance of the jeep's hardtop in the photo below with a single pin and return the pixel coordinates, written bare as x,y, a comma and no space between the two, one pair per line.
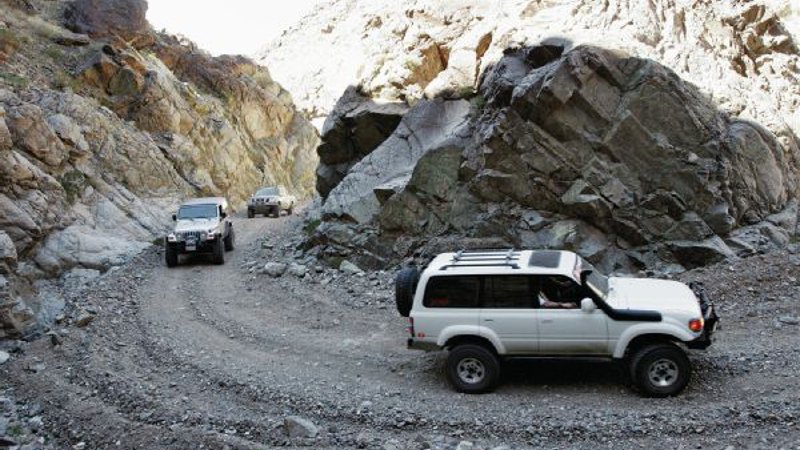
207,201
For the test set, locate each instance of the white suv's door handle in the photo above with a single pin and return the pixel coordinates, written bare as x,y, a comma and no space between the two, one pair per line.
488,320
547,320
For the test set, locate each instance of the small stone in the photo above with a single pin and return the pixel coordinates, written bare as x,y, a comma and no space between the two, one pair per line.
274,269
299,427
465,445
35,423
789,320
4,357
349,268
297,270
84,319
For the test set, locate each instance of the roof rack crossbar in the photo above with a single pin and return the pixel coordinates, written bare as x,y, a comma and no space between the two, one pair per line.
500,264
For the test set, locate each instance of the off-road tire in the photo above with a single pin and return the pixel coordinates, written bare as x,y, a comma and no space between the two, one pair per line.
250,213
472,368
290,211
276,212
230,240
405,285
171,256
219,252
665,362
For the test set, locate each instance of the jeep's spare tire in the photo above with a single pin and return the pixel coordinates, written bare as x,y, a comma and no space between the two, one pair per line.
405,284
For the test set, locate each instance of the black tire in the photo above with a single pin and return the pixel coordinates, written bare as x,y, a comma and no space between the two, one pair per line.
250,213
472,369
171,255
405,285
230,241
219,252
290,211
276,212
660,370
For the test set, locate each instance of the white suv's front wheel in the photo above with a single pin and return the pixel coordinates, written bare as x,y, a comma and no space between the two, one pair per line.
472,368
660,370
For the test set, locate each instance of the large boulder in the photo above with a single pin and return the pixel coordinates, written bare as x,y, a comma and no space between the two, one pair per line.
116,19
609,155
352,131
428,125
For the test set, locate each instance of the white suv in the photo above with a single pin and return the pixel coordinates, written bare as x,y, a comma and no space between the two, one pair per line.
487,305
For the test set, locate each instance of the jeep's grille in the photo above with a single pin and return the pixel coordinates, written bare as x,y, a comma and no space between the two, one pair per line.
183,235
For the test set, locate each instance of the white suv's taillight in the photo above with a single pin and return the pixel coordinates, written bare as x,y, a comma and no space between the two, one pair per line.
696,325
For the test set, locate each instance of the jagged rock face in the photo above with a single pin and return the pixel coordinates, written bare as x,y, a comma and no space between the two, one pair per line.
741,54
354,129
609,155
99,144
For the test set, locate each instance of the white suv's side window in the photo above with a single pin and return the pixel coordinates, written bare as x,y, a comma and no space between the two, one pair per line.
452,292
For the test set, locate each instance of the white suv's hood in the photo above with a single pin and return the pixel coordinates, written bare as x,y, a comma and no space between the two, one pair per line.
655,295
196,224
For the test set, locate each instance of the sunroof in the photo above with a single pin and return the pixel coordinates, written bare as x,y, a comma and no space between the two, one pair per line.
545,258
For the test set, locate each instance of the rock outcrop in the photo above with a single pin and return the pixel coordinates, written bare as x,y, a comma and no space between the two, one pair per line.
610,155
102,134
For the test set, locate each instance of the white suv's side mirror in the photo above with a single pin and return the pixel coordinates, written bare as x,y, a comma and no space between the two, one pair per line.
587,305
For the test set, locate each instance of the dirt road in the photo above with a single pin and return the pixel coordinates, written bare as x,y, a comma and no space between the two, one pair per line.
206,356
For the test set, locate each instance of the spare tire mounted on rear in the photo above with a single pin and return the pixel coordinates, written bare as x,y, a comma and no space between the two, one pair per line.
405,285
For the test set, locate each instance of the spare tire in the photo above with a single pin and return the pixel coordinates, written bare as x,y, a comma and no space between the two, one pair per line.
405,285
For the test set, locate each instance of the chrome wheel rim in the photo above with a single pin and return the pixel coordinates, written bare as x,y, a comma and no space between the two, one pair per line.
663,372
471,370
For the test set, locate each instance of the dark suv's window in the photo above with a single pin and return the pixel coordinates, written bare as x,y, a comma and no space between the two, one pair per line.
452,292
507,292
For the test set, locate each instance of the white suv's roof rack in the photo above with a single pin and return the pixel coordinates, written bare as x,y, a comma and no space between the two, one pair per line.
484,258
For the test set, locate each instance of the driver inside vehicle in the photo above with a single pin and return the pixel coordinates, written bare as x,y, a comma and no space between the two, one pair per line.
558,292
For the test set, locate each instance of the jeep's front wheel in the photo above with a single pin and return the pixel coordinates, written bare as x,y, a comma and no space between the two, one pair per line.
472,369
171,255
660,370
290,211
219,252
250,213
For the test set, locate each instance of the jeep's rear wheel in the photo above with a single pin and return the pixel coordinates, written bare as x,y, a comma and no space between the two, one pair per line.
171,255
660,370
230,240
219,252
405,284
472,369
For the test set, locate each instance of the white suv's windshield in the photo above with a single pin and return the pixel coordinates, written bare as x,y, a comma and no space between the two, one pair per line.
197,211
267,191
596,280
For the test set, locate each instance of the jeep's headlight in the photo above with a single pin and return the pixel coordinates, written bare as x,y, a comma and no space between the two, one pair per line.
172,238
209,235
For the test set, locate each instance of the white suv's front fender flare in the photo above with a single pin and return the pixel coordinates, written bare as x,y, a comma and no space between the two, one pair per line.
471,331
650,328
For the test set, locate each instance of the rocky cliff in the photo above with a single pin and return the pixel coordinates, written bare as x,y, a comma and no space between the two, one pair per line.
105,125
658,136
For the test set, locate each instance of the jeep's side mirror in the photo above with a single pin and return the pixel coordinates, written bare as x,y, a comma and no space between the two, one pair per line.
584,275
224,215
588,306
174,217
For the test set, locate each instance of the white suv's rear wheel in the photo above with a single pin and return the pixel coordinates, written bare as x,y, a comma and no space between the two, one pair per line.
472,368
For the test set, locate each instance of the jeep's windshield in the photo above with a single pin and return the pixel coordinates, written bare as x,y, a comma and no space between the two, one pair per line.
596,280
197,211
267,191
